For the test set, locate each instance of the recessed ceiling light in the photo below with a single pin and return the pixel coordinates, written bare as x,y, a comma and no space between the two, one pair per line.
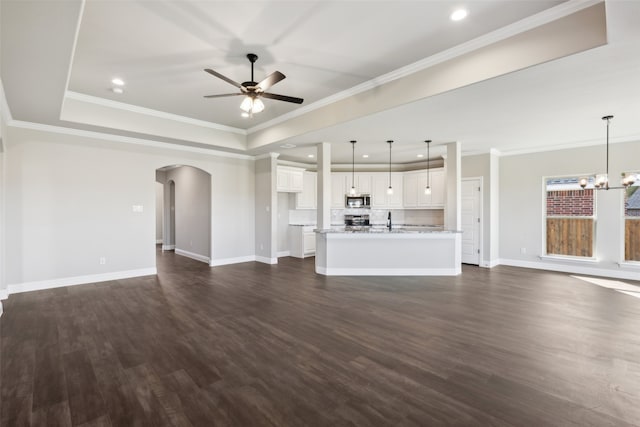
458,15
365,156
311,156
287,146
420,155
117,90
118,82
244,114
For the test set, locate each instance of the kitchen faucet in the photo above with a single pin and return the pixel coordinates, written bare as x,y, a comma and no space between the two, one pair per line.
389,221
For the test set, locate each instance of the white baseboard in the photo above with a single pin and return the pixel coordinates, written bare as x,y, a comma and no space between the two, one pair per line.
387,271
192,255
1,311
78,280
490,264
248,258
227,261
284,253
159,242
266,260
168,247
576,269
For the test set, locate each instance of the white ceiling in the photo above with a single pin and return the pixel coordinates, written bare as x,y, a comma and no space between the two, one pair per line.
160,49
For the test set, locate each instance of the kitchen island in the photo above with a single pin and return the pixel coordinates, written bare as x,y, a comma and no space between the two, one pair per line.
405,251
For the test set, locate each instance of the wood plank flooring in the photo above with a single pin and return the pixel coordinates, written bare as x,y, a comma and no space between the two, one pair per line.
259,345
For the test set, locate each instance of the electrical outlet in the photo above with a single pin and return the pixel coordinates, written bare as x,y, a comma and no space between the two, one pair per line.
261,246
103,260
523,251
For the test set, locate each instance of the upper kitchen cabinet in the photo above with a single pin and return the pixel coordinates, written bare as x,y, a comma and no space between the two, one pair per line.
380,185
289,179
414,185
307,198
340,185
437,188
364,183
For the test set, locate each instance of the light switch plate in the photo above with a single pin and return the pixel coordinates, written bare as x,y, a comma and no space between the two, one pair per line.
138,208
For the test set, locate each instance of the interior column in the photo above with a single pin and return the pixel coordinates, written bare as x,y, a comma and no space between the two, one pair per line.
324,185
453,197
266,208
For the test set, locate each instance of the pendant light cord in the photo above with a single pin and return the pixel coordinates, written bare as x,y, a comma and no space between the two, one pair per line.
353,163
608,119
428,162
390,142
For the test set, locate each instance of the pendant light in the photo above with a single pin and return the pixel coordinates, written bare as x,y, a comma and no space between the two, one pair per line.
390,189
601,181
427,189
353,173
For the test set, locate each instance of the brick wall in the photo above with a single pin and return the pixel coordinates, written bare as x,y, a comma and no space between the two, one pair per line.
570,203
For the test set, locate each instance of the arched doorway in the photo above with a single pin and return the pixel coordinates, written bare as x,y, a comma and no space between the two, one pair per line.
186,211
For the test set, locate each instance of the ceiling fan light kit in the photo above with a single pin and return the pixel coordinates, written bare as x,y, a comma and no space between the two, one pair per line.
252,91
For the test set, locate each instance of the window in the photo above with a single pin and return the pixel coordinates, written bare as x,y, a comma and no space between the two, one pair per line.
632,223
570,217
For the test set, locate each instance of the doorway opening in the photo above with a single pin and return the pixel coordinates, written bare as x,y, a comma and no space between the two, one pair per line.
185,212
471,212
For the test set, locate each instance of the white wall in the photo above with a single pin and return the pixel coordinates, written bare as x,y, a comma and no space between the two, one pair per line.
286,201
486,166
192,210
69,203
266,207
522,207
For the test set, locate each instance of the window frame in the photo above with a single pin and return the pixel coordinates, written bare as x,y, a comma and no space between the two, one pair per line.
594,217
623,225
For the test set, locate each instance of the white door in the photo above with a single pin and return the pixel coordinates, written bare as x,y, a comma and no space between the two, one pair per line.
471,220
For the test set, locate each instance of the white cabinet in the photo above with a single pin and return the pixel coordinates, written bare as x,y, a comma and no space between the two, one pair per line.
339,188
380,185
437,188
307,198
364,183
289,180
414,185
410,190
302,241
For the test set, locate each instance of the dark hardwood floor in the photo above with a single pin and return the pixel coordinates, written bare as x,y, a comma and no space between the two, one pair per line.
258,345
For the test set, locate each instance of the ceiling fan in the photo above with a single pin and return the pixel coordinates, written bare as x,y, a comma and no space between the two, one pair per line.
254,91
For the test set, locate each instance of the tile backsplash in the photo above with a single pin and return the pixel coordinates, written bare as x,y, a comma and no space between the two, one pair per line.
376,216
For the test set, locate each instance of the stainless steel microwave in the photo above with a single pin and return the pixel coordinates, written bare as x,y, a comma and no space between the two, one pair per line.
360,201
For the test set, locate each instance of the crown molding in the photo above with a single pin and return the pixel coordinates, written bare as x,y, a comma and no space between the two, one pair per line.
73,54
544,17
124,139
4,105
266,156
150,112
570,145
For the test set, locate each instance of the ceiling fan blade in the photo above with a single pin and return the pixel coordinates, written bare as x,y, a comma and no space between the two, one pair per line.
282,98
270,80
226,79
223,95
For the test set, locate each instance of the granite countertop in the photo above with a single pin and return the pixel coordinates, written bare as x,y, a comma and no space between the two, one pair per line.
312,224
400,229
